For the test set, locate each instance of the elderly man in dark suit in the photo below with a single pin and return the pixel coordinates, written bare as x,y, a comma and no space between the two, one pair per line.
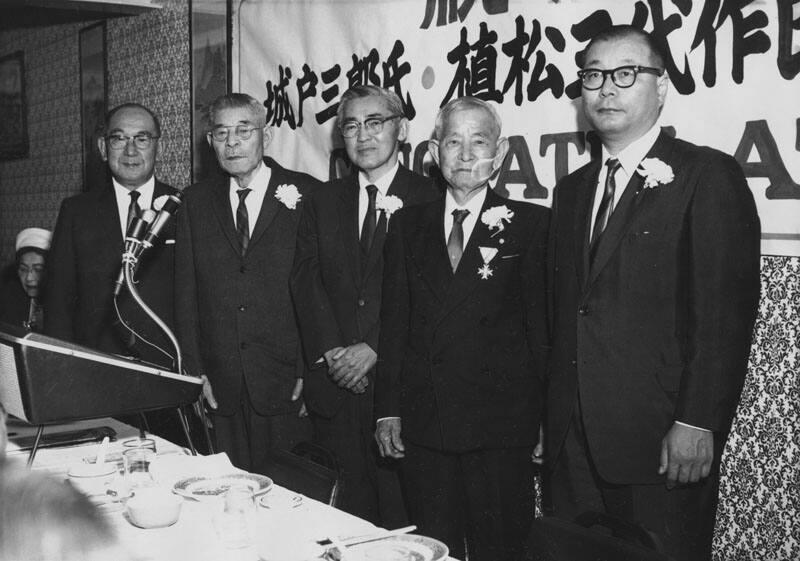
655,252
463,345
235,248
336,285
88,243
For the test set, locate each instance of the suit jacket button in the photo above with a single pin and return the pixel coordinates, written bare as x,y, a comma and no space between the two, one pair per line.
574,362
243,269
243,346
583,310
242,308
361,302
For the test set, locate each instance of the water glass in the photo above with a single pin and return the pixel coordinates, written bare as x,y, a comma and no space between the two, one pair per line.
137,466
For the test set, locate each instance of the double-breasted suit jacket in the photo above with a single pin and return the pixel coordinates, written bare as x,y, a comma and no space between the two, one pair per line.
83,265
657,329
462,355
336,287
234,313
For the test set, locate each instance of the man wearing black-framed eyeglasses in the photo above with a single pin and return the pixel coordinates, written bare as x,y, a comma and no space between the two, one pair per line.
655,254
87,249
336,284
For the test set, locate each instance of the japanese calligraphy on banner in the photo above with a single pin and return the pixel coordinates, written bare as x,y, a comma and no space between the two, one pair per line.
733,66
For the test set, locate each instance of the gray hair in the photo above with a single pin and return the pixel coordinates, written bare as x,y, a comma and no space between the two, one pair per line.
237,101
393,100
463,103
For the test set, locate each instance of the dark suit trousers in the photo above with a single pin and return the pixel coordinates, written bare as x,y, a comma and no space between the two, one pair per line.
682,518
370,486
248,437
484,498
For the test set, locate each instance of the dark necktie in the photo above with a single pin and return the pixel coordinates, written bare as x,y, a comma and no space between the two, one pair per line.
242,220
455,241
370,220
134,210
606,206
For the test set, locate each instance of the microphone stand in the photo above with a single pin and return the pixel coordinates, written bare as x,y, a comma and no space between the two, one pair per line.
130,260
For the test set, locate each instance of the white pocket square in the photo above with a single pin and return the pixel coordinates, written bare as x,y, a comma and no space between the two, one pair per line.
170,241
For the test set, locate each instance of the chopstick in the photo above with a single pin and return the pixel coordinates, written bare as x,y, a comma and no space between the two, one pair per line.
368,538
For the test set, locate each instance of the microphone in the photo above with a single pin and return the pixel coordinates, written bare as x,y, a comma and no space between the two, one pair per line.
133,238
168,209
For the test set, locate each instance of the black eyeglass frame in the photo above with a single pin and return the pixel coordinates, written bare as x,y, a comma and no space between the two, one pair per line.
380,121
142,141
611,72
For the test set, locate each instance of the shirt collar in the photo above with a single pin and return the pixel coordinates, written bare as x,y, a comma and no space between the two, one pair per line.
145,190
474,205
632,155
259,183
382,183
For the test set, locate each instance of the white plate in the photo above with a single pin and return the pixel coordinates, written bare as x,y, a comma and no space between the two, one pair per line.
408,547
200,488
283,501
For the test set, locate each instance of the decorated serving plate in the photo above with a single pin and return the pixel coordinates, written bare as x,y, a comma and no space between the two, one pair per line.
199,488
407,547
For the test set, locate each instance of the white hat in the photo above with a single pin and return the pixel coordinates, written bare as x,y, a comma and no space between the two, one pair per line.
34,237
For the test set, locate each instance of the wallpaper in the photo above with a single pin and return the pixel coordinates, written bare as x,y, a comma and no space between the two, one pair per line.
758,518
148,62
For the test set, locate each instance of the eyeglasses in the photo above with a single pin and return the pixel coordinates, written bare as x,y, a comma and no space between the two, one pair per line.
623,76
373,125
221,133
142,141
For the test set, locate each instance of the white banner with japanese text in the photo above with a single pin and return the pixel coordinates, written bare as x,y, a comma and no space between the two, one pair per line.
733,67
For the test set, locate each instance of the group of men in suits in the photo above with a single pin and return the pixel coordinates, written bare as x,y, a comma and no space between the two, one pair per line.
439,328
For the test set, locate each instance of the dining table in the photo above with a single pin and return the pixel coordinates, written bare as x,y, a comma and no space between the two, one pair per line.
282,526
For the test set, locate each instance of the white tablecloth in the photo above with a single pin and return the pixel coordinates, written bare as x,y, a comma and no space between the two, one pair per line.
283,535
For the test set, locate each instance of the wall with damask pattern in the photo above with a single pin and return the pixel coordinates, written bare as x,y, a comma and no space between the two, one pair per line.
148,58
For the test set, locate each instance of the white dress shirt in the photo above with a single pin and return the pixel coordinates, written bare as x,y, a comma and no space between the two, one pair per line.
629,158
254,200
474,206
145,200
382,183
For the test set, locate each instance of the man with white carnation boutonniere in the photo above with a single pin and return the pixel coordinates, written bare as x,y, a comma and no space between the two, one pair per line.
236,323
336,284
463,345
655,260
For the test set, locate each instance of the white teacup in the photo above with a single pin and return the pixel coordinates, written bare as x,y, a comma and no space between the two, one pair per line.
92,479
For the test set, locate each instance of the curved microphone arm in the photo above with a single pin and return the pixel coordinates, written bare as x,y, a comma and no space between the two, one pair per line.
129,260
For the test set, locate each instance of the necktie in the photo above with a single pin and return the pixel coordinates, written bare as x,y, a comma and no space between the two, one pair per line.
455,241
370,220
134,210
242,220
606,205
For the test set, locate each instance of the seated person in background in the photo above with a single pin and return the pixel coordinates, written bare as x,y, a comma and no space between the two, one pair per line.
42,518
20,295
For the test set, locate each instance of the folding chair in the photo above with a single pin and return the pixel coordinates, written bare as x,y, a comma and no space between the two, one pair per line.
308,469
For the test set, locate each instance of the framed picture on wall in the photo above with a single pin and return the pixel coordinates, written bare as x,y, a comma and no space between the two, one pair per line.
210,76
92,42
13,110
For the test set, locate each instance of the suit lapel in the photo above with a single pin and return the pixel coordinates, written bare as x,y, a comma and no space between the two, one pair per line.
108,215
222,209
584,198
398,188
348,226
430,251
271,205
632,202
466,278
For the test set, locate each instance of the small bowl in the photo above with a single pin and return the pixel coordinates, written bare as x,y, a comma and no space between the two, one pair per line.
92,479
153,508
